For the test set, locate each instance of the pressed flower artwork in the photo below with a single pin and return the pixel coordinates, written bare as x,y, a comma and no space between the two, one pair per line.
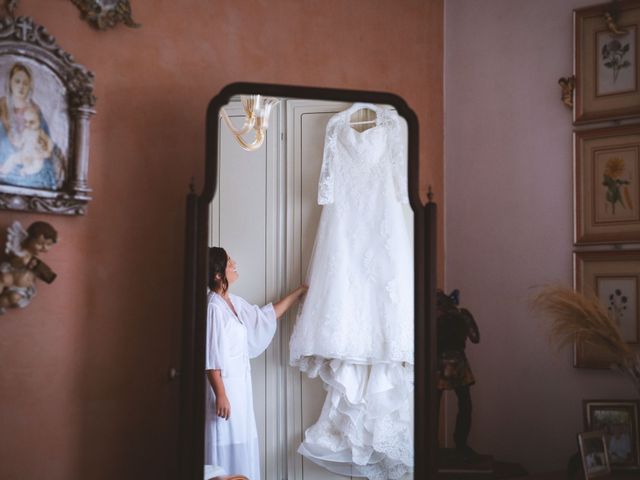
606,62
618,198
614,278
616,63
619,295
607,188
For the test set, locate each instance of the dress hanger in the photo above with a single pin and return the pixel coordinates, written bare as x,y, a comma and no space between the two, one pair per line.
356,107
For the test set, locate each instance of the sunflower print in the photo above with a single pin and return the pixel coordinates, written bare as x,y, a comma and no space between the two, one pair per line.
617,190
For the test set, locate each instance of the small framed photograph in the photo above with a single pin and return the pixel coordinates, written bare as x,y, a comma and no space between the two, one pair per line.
618,420
593,451
606,66
607,186
614,277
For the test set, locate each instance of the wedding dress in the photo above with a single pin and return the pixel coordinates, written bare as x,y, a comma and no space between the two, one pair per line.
355,328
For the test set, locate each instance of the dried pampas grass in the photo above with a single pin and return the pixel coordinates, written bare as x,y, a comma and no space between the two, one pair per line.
574,316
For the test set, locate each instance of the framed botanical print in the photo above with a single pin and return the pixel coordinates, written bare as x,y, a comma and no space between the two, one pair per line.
618,420
614,277
607,185
606,66
46,101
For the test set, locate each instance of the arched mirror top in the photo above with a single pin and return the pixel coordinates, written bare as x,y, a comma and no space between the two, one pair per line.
316,93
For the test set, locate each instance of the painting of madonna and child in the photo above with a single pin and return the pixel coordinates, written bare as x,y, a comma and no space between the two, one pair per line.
34,125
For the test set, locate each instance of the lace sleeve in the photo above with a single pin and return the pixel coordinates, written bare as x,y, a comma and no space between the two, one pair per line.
398,153
326,181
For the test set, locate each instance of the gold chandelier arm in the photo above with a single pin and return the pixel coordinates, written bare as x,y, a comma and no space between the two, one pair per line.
257,142
249,122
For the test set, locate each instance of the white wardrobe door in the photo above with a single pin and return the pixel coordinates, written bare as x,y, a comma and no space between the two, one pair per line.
243,222
306,124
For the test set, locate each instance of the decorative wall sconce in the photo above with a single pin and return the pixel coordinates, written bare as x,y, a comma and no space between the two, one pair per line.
103,14
257,109
611,18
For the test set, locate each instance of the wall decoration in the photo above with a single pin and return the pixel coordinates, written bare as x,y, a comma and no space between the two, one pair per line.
46,101
568,85
104,14
618,419
614,278
594,454
9,7
22,266
606,64
607,185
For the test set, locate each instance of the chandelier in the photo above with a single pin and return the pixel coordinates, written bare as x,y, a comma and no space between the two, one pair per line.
257,109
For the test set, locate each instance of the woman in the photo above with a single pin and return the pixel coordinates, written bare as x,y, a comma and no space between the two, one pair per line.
236,332
17,137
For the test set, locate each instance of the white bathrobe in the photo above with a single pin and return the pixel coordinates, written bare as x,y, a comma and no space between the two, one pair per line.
231,342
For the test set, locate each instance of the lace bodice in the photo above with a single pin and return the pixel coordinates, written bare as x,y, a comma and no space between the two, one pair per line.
357,163
361,272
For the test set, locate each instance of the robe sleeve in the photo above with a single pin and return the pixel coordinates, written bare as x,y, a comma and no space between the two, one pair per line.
261,325
398,153
215,349
327,172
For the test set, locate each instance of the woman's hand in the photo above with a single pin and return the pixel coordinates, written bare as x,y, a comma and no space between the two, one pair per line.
223,407
285,303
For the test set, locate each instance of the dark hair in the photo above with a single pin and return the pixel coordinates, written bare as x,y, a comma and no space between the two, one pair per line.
218,259
42,228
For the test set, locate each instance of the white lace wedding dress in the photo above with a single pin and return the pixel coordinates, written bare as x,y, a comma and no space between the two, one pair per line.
355,328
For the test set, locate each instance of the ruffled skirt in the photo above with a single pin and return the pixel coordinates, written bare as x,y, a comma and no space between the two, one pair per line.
366,425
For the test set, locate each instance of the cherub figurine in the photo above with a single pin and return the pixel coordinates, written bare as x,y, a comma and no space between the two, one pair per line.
455,325
21,268
568,84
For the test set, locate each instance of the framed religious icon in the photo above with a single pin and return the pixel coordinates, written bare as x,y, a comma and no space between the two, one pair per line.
618,420
606,65
46,101
607,185
614,277
594,454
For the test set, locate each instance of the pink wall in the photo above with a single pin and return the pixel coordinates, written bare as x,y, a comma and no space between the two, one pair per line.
508,225
83,383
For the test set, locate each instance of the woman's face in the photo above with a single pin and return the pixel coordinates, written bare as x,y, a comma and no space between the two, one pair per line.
20,85
231,271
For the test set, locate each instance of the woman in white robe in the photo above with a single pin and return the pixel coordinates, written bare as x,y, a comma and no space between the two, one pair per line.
236,332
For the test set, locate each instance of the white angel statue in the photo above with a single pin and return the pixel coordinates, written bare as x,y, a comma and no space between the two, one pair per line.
21,268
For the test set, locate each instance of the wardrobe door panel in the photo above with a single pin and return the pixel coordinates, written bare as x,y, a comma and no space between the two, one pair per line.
306,124
243,221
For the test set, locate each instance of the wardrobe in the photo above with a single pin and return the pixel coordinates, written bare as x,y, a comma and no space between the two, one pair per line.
265,214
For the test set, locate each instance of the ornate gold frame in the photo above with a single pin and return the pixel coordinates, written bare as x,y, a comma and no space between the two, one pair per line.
21,39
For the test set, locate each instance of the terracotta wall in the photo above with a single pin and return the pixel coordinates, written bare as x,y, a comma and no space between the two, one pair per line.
509,222
83,384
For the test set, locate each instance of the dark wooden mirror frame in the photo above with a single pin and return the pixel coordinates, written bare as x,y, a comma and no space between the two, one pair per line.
191,435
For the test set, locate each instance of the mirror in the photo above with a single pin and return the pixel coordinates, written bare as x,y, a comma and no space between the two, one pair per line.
328,198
